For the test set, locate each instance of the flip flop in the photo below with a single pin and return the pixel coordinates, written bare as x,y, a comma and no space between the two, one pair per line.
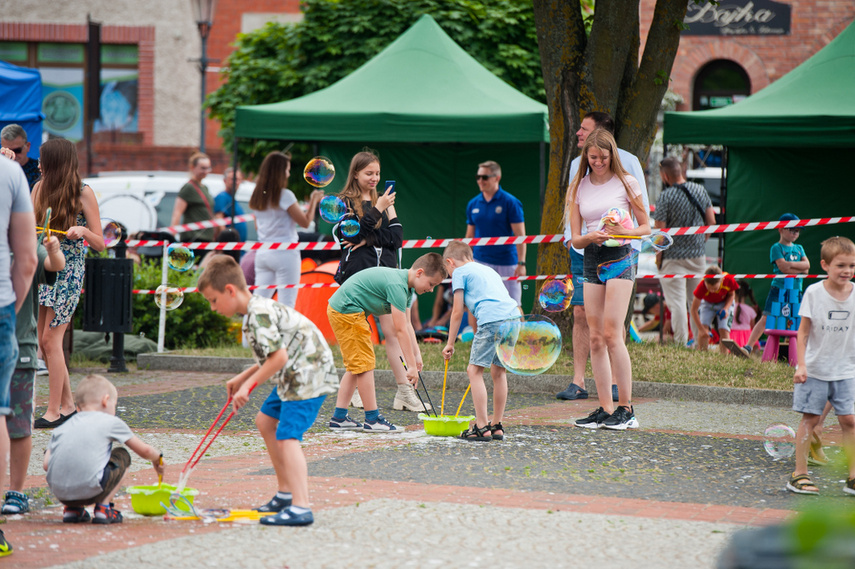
735,348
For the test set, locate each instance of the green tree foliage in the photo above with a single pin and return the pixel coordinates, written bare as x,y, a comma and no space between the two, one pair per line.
281,62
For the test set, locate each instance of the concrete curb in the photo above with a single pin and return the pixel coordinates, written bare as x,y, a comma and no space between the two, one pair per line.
549,384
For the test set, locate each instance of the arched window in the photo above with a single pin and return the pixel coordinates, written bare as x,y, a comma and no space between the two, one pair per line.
720,83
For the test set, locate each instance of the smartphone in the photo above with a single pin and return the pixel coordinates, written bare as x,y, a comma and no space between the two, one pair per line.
389,186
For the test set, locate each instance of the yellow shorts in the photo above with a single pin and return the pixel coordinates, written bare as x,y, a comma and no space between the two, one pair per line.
354,339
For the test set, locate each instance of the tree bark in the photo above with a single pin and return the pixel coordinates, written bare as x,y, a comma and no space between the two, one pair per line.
598,73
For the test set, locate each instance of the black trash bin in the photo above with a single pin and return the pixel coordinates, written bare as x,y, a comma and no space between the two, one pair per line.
108,302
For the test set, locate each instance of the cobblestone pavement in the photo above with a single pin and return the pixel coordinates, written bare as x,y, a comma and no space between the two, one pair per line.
550,495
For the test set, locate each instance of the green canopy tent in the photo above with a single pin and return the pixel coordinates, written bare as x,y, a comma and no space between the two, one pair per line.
433,113
788,147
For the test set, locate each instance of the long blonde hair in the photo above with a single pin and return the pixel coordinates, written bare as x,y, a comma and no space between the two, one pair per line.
352,191
604,141
60,187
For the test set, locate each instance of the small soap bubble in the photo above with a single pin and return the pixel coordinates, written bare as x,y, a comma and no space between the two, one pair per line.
618,267
112,232
780,441
169,297
350,228
319,171
179,257
555,295
332,209
528,345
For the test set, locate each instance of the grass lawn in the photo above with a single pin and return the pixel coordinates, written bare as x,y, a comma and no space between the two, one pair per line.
650,362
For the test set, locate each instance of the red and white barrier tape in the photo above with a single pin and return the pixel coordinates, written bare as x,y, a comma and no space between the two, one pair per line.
473,241
525,278
208,224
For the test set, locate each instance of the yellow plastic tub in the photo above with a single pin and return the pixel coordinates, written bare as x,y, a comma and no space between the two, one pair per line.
146,500
445,425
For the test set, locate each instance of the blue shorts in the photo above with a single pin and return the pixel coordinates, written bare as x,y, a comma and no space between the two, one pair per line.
596,255
810,396
577,267
8,356
295,417
483,353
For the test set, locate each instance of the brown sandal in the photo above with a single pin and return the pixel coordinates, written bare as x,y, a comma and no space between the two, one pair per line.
474,433
802,484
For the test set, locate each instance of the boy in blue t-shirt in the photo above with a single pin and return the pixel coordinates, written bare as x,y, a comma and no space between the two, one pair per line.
787,258
481,289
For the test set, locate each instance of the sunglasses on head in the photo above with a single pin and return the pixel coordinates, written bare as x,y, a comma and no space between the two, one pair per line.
484,178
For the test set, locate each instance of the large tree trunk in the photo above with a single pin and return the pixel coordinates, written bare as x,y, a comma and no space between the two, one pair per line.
598,73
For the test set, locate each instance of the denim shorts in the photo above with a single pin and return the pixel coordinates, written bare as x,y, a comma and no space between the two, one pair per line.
295,417
483,353
810,396
708,311
8,356
596,255
577,265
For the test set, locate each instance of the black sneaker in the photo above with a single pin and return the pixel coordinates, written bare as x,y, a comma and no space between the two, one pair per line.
106,515
72,515
5,546
621,420
572,392
275,505
593,421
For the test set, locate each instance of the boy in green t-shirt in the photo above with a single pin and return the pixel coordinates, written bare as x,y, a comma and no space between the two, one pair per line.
377,290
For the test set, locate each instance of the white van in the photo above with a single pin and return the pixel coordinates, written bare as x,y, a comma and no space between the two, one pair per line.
143,201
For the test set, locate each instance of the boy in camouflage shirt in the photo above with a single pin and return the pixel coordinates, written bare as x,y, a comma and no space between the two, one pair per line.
288,347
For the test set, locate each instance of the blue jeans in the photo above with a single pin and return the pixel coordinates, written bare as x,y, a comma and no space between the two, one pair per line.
8,356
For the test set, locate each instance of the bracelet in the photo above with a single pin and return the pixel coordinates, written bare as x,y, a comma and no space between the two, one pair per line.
521,263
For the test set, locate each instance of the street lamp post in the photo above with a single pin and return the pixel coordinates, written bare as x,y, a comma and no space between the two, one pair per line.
203,10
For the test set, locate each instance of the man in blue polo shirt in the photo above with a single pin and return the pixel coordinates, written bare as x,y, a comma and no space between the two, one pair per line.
496,213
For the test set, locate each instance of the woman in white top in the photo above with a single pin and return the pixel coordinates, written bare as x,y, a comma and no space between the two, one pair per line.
600,184
277,215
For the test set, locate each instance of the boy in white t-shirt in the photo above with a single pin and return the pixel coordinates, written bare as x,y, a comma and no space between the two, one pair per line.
82,466
826,352
480,288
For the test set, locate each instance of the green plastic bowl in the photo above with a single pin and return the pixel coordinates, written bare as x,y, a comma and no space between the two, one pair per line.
146,500
445,425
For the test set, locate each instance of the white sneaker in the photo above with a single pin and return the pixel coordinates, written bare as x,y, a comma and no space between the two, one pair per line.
43,370
381,425
356,400
406,399
346,424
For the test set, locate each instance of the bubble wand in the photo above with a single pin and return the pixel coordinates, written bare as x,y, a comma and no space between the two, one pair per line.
417,389
444,377
465,393
658,240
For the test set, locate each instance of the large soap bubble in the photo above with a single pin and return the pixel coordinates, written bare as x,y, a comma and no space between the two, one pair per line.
179,257
528,345
332,209
112,232
555,295
350,228
617,268
319,171
169,297
780,441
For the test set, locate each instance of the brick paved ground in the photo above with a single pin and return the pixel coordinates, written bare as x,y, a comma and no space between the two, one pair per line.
550,495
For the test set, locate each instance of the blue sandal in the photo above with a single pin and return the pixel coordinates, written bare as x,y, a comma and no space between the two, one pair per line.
16,503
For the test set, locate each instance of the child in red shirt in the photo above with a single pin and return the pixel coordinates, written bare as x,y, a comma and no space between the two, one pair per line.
714,298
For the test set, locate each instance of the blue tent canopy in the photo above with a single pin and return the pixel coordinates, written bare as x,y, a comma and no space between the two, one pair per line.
21,102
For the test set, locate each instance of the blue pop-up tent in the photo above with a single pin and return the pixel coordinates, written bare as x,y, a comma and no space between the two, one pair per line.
21,102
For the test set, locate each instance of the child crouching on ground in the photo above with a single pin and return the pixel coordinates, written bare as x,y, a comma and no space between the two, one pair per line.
82,466
826,352
714,299
288,347
480,288
377,291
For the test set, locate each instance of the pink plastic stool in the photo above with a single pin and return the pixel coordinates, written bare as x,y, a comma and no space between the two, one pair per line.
770,352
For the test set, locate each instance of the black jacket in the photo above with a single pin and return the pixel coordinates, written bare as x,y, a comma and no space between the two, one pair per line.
381,243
